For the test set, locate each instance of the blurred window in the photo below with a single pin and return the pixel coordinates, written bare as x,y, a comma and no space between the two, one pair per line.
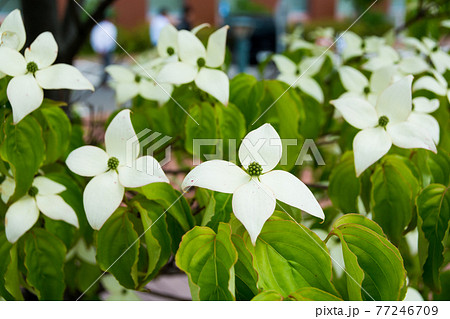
345,9
6,6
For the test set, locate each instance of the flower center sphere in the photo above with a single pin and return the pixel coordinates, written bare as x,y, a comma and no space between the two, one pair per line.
254,169
32,67
113,163
33,191
201,62
366,90
383,121
170,51
137,78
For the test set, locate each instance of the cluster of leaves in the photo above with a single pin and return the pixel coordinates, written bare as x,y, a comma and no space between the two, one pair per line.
373,217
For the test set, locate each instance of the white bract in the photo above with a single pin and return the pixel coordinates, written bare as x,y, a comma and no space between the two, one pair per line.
357,84
43,196
436,84
301,75
200,64
255,188
12,33
430,48
113,170
7,188
35,72
421,117
168,40
384,124
128,84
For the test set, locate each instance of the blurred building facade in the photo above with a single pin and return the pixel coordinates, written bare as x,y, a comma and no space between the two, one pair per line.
134,13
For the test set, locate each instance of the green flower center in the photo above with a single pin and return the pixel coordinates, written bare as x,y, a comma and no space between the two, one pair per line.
113,163
32,67
170,51
254,169
383,121
201,62
366,90
137,78
33,191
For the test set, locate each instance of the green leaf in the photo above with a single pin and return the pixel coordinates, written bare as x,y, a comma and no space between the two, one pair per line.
171,200
23,149
246,92
433,207
9,272
117,248
217,210
394,188
313,294
268,295
157,238
56,130
313,117
374,267
344,186
288,256
246,275
44,260
204,129
13,275
208,259
231,125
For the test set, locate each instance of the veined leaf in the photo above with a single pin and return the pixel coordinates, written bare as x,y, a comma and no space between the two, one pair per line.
246,275
44,260
23,149
344,186
288,256
268,295
117,248
56,130
313,294
374,267
157,238
433,207
394,188
171,200
208,259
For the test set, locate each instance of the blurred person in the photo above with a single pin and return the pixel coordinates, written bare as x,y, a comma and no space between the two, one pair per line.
186,19
281,21
103,42
157,24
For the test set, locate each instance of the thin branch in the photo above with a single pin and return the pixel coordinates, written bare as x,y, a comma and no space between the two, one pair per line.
164,295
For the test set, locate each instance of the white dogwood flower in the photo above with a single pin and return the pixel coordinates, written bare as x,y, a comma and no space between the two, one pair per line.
421,117
35,72
430,48
168,40
301,75
12,31
7,188
43,196
113,170
128,84
255,188
357,84
199,64
436,84
383,125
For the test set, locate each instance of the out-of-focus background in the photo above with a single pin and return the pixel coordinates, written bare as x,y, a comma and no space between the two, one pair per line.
257,29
